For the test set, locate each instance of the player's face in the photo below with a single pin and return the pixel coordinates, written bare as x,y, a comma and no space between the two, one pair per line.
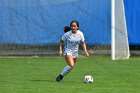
74,27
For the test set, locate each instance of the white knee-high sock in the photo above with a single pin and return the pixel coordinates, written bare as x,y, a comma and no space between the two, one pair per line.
66,70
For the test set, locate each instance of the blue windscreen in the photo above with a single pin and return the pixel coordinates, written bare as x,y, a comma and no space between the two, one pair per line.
41,22
132,10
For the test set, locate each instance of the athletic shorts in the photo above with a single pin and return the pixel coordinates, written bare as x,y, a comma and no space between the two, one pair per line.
74,54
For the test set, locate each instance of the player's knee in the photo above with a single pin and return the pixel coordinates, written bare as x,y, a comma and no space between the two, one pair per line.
72,66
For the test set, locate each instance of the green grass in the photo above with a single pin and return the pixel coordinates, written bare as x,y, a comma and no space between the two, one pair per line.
37,75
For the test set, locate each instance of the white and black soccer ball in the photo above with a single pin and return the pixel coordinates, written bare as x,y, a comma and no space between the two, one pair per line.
88,79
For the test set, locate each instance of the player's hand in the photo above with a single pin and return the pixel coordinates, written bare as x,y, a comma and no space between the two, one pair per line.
86,53
60,53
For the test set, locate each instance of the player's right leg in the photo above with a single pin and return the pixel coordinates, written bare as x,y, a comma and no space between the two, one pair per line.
70,60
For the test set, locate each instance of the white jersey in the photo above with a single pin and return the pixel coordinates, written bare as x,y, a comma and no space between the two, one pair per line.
72,41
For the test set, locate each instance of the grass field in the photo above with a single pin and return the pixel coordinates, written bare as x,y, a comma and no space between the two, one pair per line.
37,75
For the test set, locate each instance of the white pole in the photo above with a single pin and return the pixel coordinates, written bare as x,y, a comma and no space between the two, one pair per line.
113,29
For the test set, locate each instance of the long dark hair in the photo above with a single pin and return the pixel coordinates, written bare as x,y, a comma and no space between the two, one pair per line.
66,29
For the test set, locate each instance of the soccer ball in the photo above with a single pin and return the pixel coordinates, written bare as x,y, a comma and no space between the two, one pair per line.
88,79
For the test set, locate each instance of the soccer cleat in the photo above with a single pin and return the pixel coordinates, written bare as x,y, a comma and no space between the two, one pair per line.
59,78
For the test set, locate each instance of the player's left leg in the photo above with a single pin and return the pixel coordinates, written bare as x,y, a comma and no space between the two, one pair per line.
75,59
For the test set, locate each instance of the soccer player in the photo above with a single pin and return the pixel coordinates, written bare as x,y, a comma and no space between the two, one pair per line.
72,40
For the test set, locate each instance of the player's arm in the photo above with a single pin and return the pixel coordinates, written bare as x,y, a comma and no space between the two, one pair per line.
60,47
84,45
84,48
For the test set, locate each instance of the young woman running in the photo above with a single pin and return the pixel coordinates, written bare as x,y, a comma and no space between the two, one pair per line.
72,40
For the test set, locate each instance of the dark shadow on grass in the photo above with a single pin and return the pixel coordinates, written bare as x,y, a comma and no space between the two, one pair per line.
39,80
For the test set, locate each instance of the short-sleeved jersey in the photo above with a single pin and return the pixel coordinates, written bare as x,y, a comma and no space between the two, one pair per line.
72,41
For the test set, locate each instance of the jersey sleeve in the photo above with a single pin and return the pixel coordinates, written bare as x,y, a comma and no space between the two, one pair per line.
64,37
82,37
